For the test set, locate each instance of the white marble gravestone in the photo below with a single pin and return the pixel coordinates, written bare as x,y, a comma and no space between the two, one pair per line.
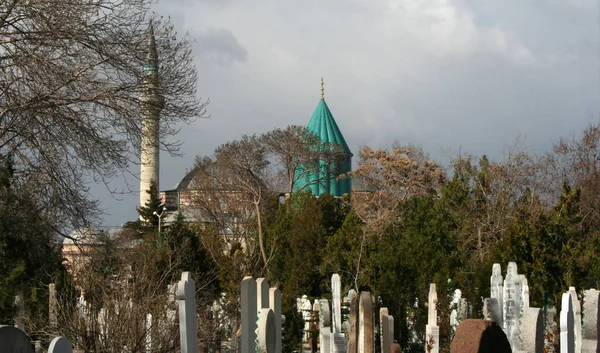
591,319
338,339
262,293
60,345
524,293
577,319
497,290
265,331
248,304
188,321
432,330
336,302
455,306
275,305
567,324
512,310
148,333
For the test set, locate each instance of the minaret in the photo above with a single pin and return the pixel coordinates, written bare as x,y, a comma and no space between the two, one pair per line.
152,102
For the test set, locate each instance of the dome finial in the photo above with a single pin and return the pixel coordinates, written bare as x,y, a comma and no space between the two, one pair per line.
322,89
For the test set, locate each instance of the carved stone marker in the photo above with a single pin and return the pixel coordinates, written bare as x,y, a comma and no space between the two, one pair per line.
262,293
475,336
324,326
577,320
60,345
511,305
354,314
336,302
248,304
366,339
567,324
188,322
497,290
432,330
591,318
386,330
14,340
265,331
52,307
275,305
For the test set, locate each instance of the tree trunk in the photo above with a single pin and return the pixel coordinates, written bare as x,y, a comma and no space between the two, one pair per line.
261,242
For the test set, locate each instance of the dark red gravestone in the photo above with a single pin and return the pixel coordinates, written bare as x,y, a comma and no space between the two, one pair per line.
395,348
479,336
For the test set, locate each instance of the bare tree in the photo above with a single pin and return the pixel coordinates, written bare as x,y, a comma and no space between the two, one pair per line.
390,177
247,168
300,152
576,160
70,92
495,189
229,210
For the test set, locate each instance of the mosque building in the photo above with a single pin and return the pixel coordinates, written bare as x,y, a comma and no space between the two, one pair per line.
324,180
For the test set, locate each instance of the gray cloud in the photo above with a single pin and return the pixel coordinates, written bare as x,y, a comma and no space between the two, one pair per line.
220,46
438,73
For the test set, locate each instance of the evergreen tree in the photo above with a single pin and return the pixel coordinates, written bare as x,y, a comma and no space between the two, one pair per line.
148,212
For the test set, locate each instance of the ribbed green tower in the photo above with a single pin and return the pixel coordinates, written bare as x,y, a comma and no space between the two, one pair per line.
325,180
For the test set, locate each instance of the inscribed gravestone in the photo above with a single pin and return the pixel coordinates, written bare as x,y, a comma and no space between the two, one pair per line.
13,340
248,303
524,293
497,289
60,345
591,318
567,324
366,339
532,330
275,305
265,331
188,322
510,313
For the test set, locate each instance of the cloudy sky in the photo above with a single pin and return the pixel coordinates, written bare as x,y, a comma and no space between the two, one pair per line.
443,74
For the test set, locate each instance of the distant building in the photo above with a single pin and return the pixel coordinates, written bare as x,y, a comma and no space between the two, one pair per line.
326,179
